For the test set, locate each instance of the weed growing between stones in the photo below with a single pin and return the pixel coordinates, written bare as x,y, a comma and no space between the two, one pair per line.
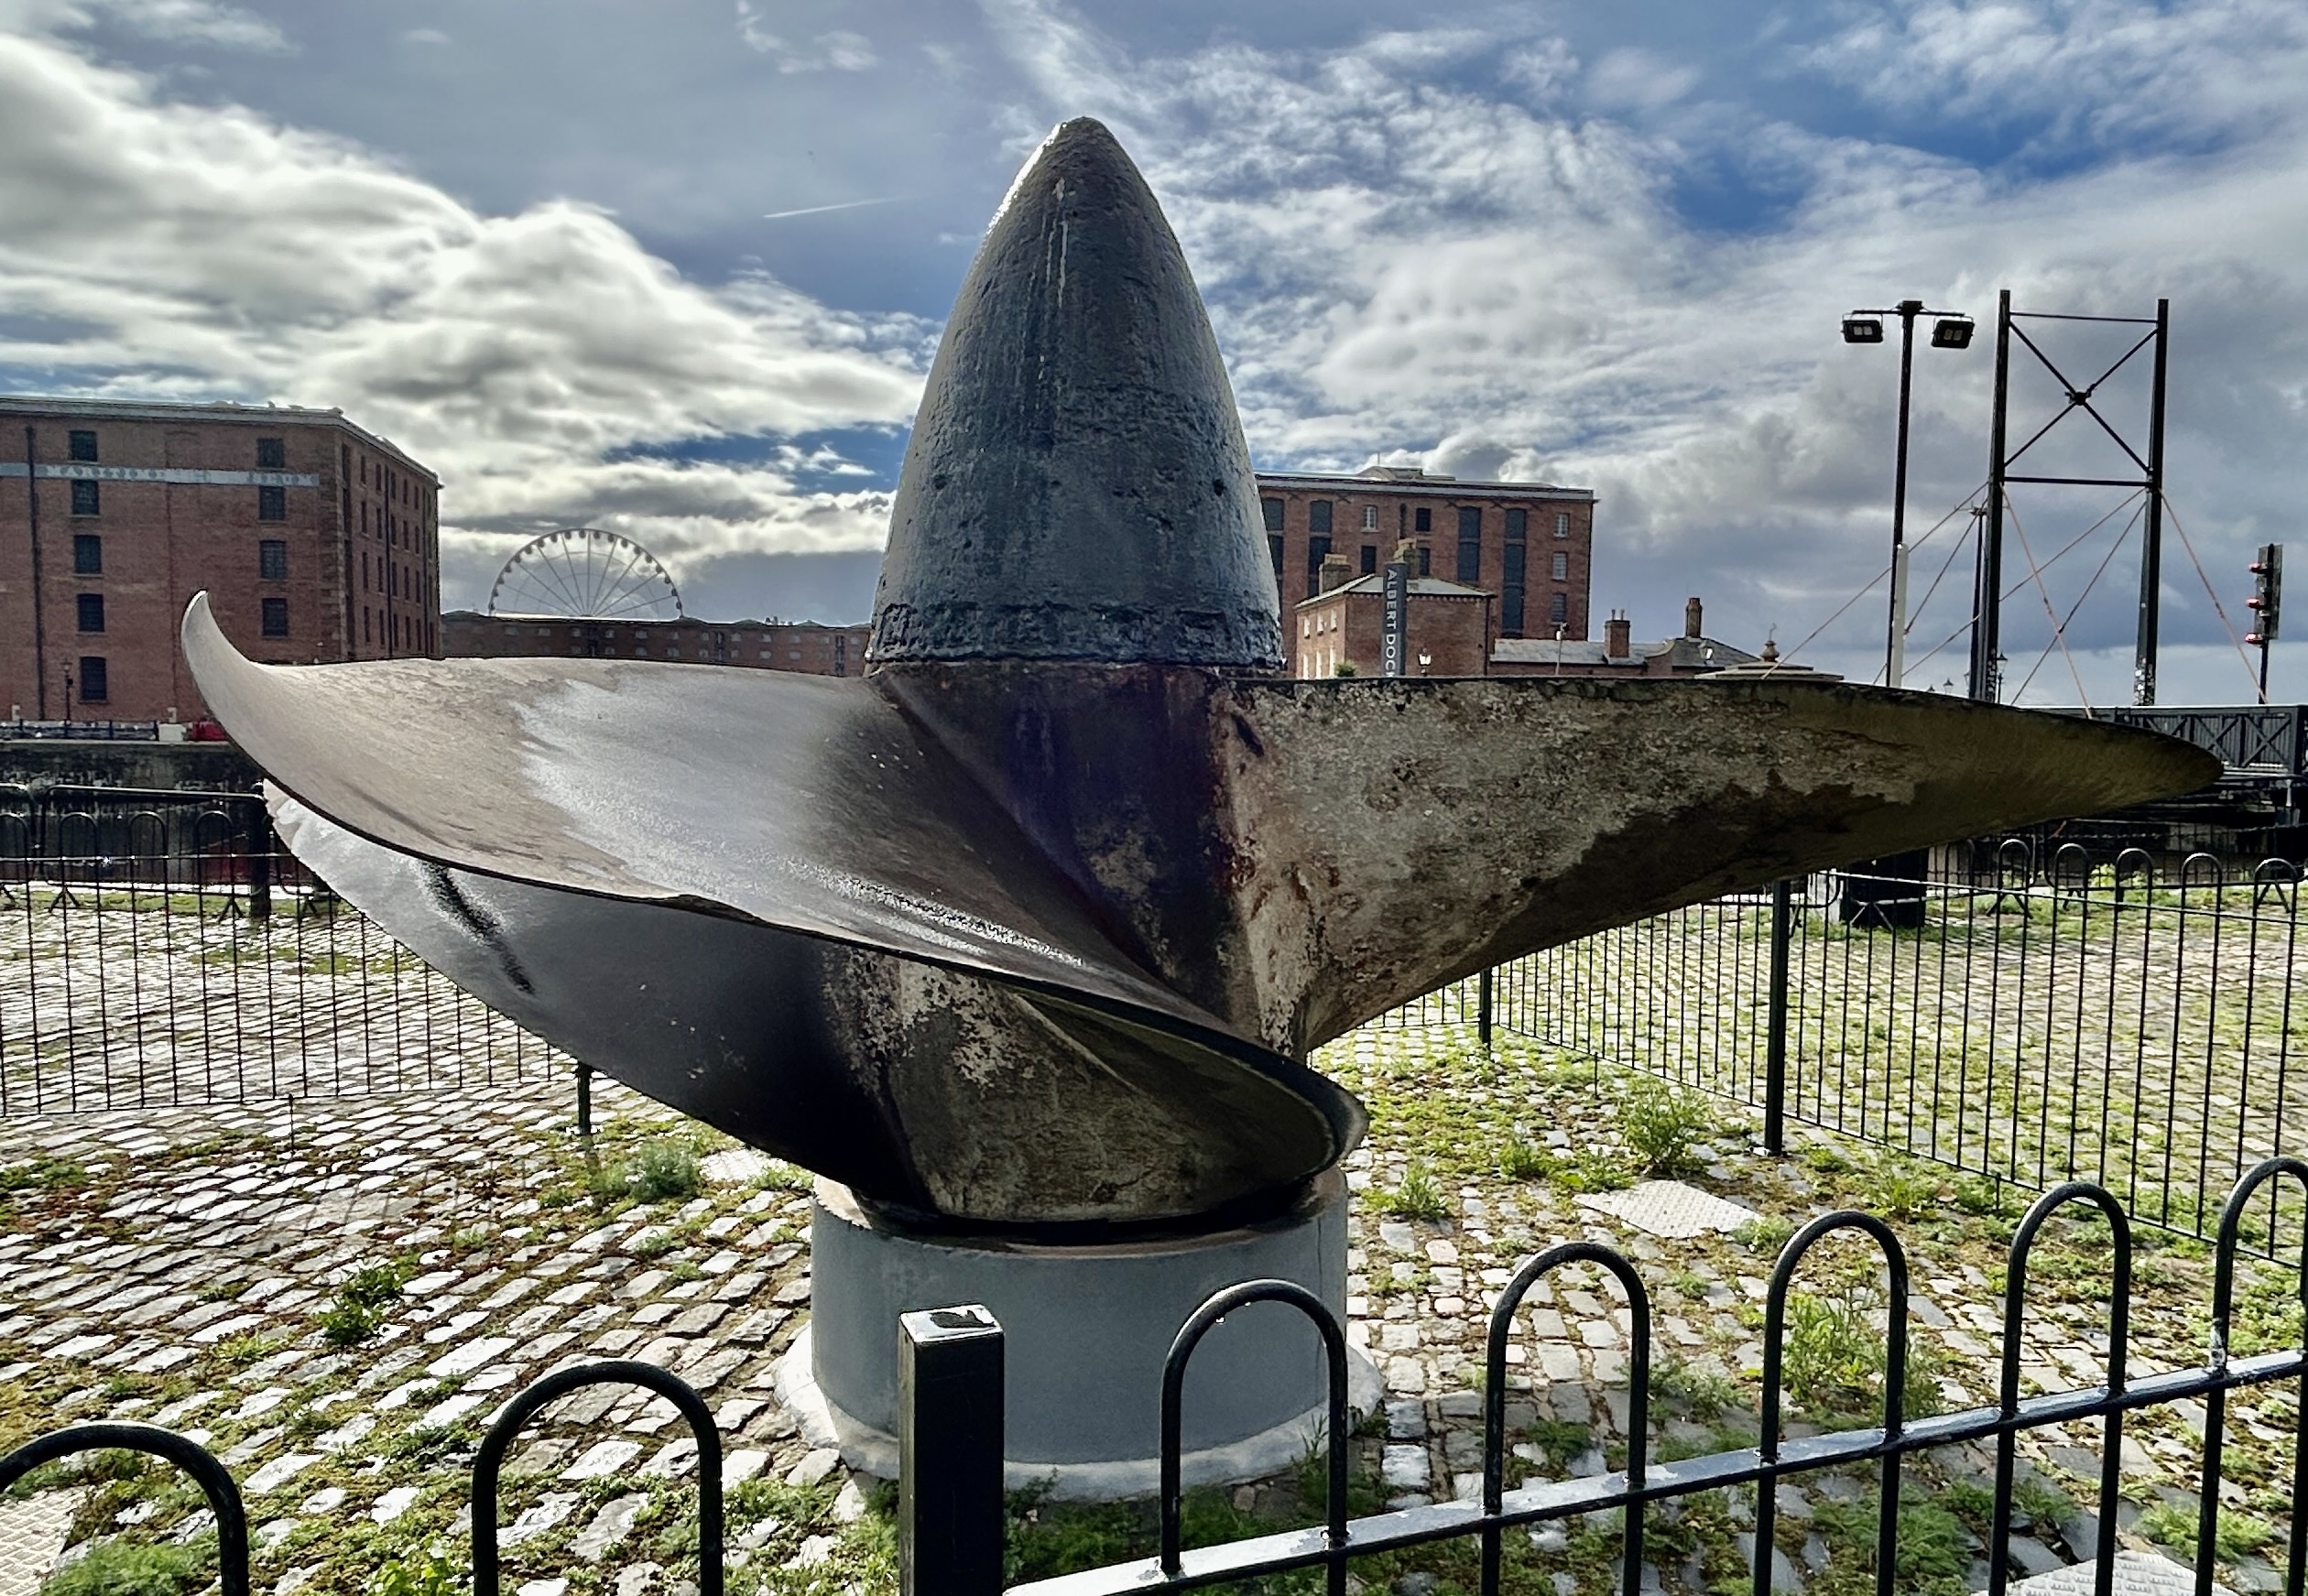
1417,1198
1663,1127
362,1303
425,1572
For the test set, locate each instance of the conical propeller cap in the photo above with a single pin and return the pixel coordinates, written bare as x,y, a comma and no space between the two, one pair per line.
1077,486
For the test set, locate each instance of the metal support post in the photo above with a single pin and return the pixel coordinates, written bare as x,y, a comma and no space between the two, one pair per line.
260,858
1483,1009
1988,619
1775,1055
2151,551
950,1392
584,1101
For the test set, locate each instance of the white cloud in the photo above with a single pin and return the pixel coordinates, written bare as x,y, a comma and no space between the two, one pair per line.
2085,71
1638,80
200,22
837,50
206,252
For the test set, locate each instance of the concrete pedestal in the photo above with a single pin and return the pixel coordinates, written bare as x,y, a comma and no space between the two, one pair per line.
1087,1328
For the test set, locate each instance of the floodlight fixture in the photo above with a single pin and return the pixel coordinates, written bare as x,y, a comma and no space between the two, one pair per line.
1950,330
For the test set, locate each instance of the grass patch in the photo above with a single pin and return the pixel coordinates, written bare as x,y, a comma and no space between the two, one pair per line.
426,1572
1418,1197
120,1567
363,1300
1935,1548
658,1172
1521,1160
42,1174
2236,1534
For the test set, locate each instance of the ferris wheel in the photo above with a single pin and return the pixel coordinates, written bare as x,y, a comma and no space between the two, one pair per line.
584,573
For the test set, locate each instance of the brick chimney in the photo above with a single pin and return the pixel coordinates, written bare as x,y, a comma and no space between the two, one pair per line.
1336,572
1617,639
1692,618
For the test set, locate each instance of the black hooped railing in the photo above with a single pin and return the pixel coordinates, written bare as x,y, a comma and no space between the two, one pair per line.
1336,1420
213,1478
551,1388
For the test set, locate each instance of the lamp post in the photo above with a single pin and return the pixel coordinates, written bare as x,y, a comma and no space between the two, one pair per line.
1425,659
1951,331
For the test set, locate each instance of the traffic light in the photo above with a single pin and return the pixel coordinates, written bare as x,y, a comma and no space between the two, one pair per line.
2267,592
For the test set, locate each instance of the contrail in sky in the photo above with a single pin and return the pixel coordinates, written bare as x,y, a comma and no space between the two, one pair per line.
844,205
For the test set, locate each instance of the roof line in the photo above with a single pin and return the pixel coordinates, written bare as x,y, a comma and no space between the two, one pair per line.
209,410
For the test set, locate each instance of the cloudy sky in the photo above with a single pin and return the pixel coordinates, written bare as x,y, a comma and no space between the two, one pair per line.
677,266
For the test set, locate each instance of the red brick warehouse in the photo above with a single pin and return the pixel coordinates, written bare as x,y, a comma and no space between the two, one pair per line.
315,540
1532,544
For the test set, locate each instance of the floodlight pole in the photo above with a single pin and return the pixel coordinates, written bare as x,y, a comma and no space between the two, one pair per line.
1954,332
1895,659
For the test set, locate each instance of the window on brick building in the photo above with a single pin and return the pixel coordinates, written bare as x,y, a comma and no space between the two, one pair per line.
275,617
91,612
1511,592
1317,550
1562,525
80,446
1426,558
1274,552
272,559
1272,510
1559,608
272,504
364,627
1517,525
270,454
1370,518
1423,520
1470,543
1318,516
1369,559
88,554
1561,569
84,496
95,680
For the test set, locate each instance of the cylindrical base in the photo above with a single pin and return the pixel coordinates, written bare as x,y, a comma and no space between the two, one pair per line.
1086,1329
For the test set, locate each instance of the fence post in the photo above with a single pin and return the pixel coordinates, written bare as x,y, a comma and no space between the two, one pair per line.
260,847
950,1527
585,1103
1775,1054
1482,1008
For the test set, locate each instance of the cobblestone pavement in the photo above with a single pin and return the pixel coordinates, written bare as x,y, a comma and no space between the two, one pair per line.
187,1267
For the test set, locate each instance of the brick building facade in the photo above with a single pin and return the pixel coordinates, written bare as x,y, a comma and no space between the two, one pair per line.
315,540
1528,544
802,645
1446,628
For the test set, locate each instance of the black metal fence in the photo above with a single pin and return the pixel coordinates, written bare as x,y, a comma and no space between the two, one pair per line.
145,974
2026,1017
950,1530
